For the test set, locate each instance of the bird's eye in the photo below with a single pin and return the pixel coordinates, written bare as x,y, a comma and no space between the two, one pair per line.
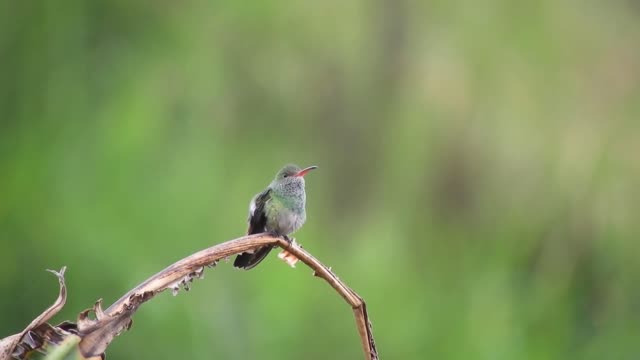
285,175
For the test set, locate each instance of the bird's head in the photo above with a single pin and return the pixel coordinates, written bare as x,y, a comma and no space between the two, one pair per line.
292,171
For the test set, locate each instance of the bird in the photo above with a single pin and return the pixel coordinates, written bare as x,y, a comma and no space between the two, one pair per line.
279,210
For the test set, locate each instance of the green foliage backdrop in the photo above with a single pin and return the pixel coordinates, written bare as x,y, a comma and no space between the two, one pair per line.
478,184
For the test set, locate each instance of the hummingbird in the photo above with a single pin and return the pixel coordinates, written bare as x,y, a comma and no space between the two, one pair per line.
279,209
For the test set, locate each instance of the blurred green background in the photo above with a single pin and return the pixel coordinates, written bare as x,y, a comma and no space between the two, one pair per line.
479,178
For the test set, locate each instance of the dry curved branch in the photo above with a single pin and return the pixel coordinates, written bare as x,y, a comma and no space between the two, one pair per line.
184,271
96,334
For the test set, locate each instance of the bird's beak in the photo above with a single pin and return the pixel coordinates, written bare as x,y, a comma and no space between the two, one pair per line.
303,172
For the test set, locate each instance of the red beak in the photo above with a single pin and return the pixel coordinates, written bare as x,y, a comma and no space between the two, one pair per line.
303,172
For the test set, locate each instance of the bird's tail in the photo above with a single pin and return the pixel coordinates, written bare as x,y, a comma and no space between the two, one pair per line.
248,260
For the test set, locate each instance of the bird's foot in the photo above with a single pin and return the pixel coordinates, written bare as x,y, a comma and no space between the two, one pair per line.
278,235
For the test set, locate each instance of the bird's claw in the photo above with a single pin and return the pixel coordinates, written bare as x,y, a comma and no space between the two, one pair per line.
275,234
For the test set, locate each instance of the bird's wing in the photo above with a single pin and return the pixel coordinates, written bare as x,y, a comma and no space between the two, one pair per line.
257,224
257,214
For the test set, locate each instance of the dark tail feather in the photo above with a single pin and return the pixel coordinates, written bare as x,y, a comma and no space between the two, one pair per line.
248,261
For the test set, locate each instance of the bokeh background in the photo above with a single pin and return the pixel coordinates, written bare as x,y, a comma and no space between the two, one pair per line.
479,178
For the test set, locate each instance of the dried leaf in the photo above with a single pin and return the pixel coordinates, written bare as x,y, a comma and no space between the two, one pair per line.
97,334
9,344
